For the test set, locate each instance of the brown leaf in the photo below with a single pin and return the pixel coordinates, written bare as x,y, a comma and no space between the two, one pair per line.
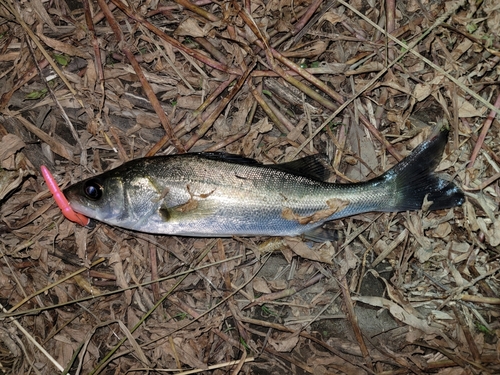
9,145
284,344
68,49
190,27
324,254
260,285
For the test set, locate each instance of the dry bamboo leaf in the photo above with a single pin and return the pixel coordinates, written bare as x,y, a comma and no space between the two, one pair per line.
260,285
310,51
462,48
9,56
333,17
248,144
10,180
457,277
116,262
442,230
187,354
57,145
91,75
372,66
191,102
364,147
423,90
348,261
466,109
492,8
425,250
190,27
9,343
148,120
9,145
137,348
399,313
81,243
11,175
87,286
324,254
332,361
42,13
492,234
284,344
278,284
62,47
385,250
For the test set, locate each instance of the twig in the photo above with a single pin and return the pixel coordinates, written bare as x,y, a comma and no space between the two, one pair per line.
175,43
138,71
344,287
263,104
411,48
196,9
97,52
484,132
220,107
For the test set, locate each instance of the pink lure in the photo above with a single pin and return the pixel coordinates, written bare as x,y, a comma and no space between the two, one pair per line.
61,200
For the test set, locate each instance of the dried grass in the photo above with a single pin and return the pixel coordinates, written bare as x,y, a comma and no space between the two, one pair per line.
85,89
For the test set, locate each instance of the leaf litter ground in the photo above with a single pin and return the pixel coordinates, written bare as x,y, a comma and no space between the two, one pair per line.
88,86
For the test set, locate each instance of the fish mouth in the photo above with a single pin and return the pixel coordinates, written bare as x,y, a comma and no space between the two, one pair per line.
73,196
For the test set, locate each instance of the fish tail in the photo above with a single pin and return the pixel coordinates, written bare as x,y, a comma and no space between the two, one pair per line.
413,179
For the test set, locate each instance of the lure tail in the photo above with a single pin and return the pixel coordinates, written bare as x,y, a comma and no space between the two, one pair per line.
413,179
61,200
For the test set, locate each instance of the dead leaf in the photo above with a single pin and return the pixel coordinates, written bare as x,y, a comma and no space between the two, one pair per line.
284,344
190,27
348,261
260,285
148,120
324,254
399,313
466,109
9,145
312,50
68,49
492,234
332,17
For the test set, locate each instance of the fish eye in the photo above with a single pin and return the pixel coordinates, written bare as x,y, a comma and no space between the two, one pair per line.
93,190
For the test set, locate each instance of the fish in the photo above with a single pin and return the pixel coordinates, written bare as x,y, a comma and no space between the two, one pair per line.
222,195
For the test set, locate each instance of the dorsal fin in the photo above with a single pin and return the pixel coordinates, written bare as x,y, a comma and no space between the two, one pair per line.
316,167
230,158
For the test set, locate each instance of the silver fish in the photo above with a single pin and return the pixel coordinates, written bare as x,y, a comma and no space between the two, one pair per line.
220,195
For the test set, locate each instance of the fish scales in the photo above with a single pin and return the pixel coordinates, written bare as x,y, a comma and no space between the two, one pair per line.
234,199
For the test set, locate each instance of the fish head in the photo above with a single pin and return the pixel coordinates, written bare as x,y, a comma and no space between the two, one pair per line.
101,198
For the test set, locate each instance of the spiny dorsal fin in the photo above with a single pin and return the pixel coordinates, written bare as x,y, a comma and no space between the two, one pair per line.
316,167
230,158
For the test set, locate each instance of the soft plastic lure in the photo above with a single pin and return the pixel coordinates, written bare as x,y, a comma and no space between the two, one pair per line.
61,200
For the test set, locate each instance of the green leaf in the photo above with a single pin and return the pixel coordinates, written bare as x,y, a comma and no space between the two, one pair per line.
62,60
36,94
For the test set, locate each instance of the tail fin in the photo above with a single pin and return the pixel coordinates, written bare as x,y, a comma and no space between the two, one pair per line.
413,178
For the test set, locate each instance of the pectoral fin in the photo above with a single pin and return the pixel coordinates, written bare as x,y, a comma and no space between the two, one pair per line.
192,209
